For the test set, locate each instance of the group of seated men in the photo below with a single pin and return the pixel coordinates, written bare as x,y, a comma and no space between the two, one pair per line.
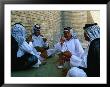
34,50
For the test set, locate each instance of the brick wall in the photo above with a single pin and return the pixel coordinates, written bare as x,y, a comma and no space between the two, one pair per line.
52,22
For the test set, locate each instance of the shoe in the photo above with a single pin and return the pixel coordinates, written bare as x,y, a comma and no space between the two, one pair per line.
36,66
60,67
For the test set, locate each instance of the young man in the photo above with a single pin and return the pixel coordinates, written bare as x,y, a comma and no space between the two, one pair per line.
22,53
38,39
92,34
39,42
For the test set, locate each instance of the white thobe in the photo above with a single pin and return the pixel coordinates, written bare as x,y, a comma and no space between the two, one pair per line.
25,47
38,41
77,58
74,46
57,48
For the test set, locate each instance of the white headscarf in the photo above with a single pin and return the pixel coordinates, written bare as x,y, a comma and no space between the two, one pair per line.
72,31
76,72
19,33
93,32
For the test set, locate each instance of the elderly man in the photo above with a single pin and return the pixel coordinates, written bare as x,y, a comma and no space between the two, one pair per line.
92,34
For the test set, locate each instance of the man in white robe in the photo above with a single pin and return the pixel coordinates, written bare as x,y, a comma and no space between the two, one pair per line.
37,38
72,45
40,43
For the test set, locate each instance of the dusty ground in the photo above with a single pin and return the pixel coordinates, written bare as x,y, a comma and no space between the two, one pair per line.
48,70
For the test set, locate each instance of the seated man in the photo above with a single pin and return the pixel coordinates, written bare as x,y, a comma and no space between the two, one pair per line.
92,34
39,42
72,49
21,52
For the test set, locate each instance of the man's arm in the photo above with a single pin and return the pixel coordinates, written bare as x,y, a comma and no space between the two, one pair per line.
78,48
27,47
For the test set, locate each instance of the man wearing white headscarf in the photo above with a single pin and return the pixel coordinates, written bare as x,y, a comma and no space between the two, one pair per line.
92,34
72,51
18,33
76,72
72,45
38,39
58,46
40,43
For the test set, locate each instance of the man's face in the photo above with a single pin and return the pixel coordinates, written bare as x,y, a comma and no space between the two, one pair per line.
37,33
67,35
86,37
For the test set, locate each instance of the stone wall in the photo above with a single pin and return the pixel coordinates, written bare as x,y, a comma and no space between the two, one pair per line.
77,20
93,16
52,22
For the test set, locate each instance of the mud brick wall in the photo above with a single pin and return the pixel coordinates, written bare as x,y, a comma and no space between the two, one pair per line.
53,21
50,22
75,19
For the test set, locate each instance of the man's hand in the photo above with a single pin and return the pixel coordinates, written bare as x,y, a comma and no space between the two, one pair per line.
44,39
29,39
39,49
67,54
44,54
62,40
